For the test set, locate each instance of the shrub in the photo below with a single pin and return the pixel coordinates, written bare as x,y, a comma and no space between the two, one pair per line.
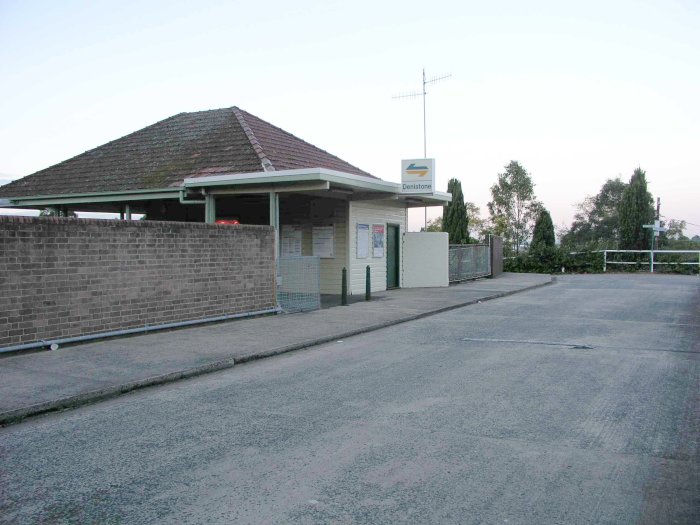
551,259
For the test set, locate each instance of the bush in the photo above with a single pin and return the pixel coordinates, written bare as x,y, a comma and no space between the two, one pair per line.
551,259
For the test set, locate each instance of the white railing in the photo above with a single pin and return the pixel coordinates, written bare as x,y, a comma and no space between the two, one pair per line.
652,258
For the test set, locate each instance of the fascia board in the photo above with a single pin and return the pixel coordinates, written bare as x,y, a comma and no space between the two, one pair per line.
240,179
110,194
427,199
443,196
73,199
356,181
268,188
333,176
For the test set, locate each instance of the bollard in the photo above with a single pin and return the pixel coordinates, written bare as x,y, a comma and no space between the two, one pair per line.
368,285
344,291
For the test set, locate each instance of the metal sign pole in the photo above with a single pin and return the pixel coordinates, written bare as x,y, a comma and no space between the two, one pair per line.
655,229
423,93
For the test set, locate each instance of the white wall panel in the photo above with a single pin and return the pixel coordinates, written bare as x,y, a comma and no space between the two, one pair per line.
426,260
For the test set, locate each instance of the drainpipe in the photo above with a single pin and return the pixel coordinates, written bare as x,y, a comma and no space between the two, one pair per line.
53,344
190,201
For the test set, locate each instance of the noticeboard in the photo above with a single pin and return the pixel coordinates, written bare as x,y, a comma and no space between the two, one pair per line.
323,240
362,241
377,240
290,241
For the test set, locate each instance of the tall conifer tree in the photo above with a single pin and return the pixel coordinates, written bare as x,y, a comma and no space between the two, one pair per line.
636,210
454,215
543,234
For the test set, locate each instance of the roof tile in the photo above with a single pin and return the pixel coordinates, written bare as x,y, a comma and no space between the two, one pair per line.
194,144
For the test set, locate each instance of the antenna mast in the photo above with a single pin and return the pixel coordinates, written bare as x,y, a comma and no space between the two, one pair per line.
423,93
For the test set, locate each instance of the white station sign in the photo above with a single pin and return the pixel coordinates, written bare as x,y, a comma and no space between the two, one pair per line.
418,176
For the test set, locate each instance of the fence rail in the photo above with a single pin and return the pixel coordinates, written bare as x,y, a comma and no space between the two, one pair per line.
653,255
469,261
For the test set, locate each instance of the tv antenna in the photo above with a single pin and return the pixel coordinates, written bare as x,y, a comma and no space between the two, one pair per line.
423,93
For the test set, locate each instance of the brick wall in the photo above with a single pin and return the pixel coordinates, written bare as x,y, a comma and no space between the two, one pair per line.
63,277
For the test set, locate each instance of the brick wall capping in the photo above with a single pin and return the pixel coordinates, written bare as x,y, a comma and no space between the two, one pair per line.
120,222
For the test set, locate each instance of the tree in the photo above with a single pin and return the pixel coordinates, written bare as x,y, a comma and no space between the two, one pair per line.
675,230
636,209
478,228
513,207
597,225
55,212
434,225
674,237
543,234
454,215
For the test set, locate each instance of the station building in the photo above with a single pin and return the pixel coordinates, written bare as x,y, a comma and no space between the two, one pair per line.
228,166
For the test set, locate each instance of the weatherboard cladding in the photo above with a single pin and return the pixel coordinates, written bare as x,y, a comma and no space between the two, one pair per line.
186,145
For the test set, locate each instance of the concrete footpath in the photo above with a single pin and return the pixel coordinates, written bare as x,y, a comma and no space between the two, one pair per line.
35,383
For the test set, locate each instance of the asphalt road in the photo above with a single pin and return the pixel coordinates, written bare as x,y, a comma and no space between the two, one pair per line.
574,403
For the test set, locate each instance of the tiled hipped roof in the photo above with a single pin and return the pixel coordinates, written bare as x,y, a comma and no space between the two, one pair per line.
186,145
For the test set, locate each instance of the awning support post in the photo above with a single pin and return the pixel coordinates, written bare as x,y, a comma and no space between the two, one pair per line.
209,209
275,220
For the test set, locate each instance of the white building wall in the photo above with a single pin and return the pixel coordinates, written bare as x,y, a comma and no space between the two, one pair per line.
372,212
425,260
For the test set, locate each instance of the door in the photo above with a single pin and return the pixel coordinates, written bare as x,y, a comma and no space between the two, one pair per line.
392,256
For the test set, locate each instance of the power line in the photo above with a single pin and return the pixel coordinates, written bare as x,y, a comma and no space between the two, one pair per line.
680,220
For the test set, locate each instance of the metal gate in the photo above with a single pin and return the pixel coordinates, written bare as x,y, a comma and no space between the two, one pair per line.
469,261
299,283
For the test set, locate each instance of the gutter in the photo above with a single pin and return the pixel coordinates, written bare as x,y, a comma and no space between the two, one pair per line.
54,344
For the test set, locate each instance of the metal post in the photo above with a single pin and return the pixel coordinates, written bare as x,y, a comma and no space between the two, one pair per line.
425,142
368,285
605,261
209,209
344,291
127,212
275,220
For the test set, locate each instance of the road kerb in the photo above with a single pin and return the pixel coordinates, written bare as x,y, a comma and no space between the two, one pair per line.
17,415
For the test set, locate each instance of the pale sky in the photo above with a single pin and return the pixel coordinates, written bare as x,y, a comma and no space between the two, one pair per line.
577,92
